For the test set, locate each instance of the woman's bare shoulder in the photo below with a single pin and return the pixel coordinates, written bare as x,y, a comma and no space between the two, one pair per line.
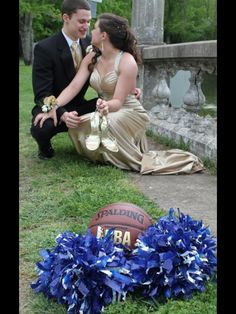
127,60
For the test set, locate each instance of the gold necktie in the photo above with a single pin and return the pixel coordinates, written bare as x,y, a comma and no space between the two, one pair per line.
75,55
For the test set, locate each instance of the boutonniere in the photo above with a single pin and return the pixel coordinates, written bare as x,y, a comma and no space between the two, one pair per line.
89,49
48,103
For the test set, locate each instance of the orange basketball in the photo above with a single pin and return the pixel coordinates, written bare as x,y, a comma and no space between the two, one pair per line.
128,221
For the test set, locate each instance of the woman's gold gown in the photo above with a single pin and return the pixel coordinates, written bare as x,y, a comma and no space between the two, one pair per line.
128,127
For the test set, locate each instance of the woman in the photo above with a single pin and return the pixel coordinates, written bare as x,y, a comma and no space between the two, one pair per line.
116,133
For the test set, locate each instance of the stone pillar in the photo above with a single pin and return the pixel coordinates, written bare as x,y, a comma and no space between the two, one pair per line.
93,4
194,97
147,24
147,21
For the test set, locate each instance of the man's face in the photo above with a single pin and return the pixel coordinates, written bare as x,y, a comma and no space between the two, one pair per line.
78,24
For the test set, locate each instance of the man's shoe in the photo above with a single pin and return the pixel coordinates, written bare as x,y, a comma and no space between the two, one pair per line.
46,153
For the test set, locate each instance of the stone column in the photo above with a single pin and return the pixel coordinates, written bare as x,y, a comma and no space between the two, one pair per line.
147,21
93,4
194,97
147,25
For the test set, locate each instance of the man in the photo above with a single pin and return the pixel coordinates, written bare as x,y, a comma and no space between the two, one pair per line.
53,70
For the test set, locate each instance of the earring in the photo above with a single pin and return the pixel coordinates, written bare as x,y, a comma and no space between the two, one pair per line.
102,48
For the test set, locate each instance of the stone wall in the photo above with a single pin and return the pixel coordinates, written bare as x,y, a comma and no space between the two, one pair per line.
160,64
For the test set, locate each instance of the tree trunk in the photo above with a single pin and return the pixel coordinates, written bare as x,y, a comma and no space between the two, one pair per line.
26,34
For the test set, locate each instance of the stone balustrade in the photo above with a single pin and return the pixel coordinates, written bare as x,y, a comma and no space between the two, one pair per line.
160,64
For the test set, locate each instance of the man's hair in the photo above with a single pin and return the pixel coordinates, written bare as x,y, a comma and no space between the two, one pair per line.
71,6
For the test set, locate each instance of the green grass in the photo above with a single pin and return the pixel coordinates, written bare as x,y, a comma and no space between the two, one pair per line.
203,112
63,194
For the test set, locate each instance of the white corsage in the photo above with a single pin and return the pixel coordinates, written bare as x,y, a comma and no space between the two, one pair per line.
89,49
49,103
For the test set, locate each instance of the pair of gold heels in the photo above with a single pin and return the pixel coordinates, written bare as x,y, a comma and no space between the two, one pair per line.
99,134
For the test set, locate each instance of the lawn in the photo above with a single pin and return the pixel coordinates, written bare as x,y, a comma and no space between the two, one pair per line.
63,194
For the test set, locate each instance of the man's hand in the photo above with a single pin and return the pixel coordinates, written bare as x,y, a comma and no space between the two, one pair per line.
71,119
42,117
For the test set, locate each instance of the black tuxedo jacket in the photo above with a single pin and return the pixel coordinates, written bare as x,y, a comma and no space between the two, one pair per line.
53,69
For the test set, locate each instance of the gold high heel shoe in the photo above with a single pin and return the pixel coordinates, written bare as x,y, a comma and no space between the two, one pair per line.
92,142
108,142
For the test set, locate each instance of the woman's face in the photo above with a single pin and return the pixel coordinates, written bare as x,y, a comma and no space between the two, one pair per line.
96,35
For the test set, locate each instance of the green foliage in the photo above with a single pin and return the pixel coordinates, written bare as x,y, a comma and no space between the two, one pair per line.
121,7
46,23
191,20
167,141
211,166
46,16
203,112
185,20
25,6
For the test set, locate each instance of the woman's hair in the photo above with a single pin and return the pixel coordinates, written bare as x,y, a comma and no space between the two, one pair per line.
120,35
71,6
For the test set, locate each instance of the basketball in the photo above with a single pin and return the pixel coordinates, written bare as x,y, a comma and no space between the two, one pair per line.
128,221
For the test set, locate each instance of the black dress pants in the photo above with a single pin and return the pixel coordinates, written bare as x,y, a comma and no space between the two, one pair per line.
43,135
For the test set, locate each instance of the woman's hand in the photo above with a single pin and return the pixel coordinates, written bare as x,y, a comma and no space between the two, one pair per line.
102,106
71,119
137,93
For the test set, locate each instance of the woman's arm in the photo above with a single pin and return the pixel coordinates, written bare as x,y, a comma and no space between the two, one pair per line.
126,83
70,91
77,83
